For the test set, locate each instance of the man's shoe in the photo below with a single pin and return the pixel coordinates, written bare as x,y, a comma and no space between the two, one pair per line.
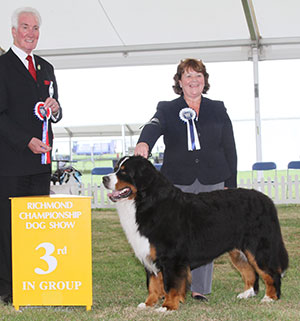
6,298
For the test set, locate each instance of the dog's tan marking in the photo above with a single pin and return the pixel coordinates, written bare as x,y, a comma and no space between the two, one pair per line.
152,252
175,296
269,281
120,185
189,277
155,290
242,265
185,284
172,300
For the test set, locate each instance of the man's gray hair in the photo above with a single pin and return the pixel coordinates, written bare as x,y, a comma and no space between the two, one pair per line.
19,11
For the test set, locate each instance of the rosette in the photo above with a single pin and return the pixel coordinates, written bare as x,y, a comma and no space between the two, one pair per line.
41,112
188,115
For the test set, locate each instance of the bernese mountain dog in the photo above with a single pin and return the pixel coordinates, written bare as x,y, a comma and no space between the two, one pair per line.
172,232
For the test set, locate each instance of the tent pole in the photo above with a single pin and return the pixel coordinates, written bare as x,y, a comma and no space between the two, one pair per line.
257,106
70,148
123,140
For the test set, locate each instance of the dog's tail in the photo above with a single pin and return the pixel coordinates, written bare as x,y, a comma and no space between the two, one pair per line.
279,258
280,254
283,258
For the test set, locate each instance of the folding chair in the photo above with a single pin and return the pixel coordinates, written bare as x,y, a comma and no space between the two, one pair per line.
100,171
157,166
291,165
263,166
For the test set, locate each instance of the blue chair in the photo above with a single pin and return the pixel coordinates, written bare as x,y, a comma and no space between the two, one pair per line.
100,171
157,166
291,165
264,166
115,162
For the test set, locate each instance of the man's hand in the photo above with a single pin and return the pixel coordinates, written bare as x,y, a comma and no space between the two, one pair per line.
37,146
52,104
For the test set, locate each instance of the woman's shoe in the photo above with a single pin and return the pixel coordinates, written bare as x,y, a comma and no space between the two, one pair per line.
200,297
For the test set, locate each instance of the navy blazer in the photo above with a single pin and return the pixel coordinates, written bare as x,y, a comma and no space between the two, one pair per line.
215,162
19,93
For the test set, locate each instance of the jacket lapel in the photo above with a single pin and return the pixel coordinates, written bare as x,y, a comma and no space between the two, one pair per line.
18,64
38,66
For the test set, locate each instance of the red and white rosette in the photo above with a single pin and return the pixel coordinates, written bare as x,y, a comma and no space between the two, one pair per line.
43,115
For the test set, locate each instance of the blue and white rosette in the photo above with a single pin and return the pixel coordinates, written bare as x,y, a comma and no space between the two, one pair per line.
188,115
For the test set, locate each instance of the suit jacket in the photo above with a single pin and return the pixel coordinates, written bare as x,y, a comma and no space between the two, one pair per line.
19,93
215,162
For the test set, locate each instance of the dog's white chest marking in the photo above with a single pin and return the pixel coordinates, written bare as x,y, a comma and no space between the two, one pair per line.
140,244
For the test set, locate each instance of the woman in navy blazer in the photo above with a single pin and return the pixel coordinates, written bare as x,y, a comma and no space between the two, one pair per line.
200,153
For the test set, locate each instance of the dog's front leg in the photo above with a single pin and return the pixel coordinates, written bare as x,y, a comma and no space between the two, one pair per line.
176,285
172,300
155,289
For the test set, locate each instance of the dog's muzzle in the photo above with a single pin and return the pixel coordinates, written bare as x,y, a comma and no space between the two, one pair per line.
106,181
116,195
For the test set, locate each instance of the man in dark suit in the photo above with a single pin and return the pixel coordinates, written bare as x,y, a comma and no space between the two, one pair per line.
28,106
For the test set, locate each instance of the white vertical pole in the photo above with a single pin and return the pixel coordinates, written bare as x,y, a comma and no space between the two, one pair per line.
123,140
70,148
92,155
257,106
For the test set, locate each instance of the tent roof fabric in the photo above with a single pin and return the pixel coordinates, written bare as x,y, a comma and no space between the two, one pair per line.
105,33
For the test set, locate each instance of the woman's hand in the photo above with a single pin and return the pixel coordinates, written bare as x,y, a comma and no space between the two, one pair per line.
141,149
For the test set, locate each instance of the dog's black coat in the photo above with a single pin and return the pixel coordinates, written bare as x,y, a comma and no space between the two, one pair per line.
191,230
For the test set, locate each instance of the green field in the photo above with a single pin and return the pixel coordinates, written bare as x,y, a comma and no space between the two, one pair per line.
119,284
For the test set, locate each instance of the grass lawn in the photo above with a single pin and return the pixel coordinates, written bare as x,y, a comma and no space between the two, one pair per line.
119,284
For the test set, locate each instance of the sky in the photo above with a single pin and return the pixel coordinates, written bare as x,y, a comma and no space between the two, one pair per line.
130,95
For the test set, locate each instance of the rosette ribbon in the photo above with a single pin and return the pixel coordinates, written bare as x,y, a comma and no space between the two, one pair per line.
188,115
43,115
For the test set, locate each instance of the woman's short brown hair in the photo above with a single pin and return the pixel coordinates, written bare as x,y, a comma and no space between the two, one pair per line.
186,64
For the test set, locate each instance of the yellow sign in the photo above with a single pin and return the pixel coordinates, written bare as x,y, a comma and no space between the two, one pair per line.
51,251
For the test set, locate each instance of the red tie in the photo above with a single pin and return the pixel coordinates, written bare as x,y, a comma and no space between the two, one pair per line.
31,67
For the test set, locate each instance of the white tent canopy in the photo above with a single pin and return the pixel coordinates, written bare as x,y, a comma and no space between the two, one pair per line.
101,33
104,33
